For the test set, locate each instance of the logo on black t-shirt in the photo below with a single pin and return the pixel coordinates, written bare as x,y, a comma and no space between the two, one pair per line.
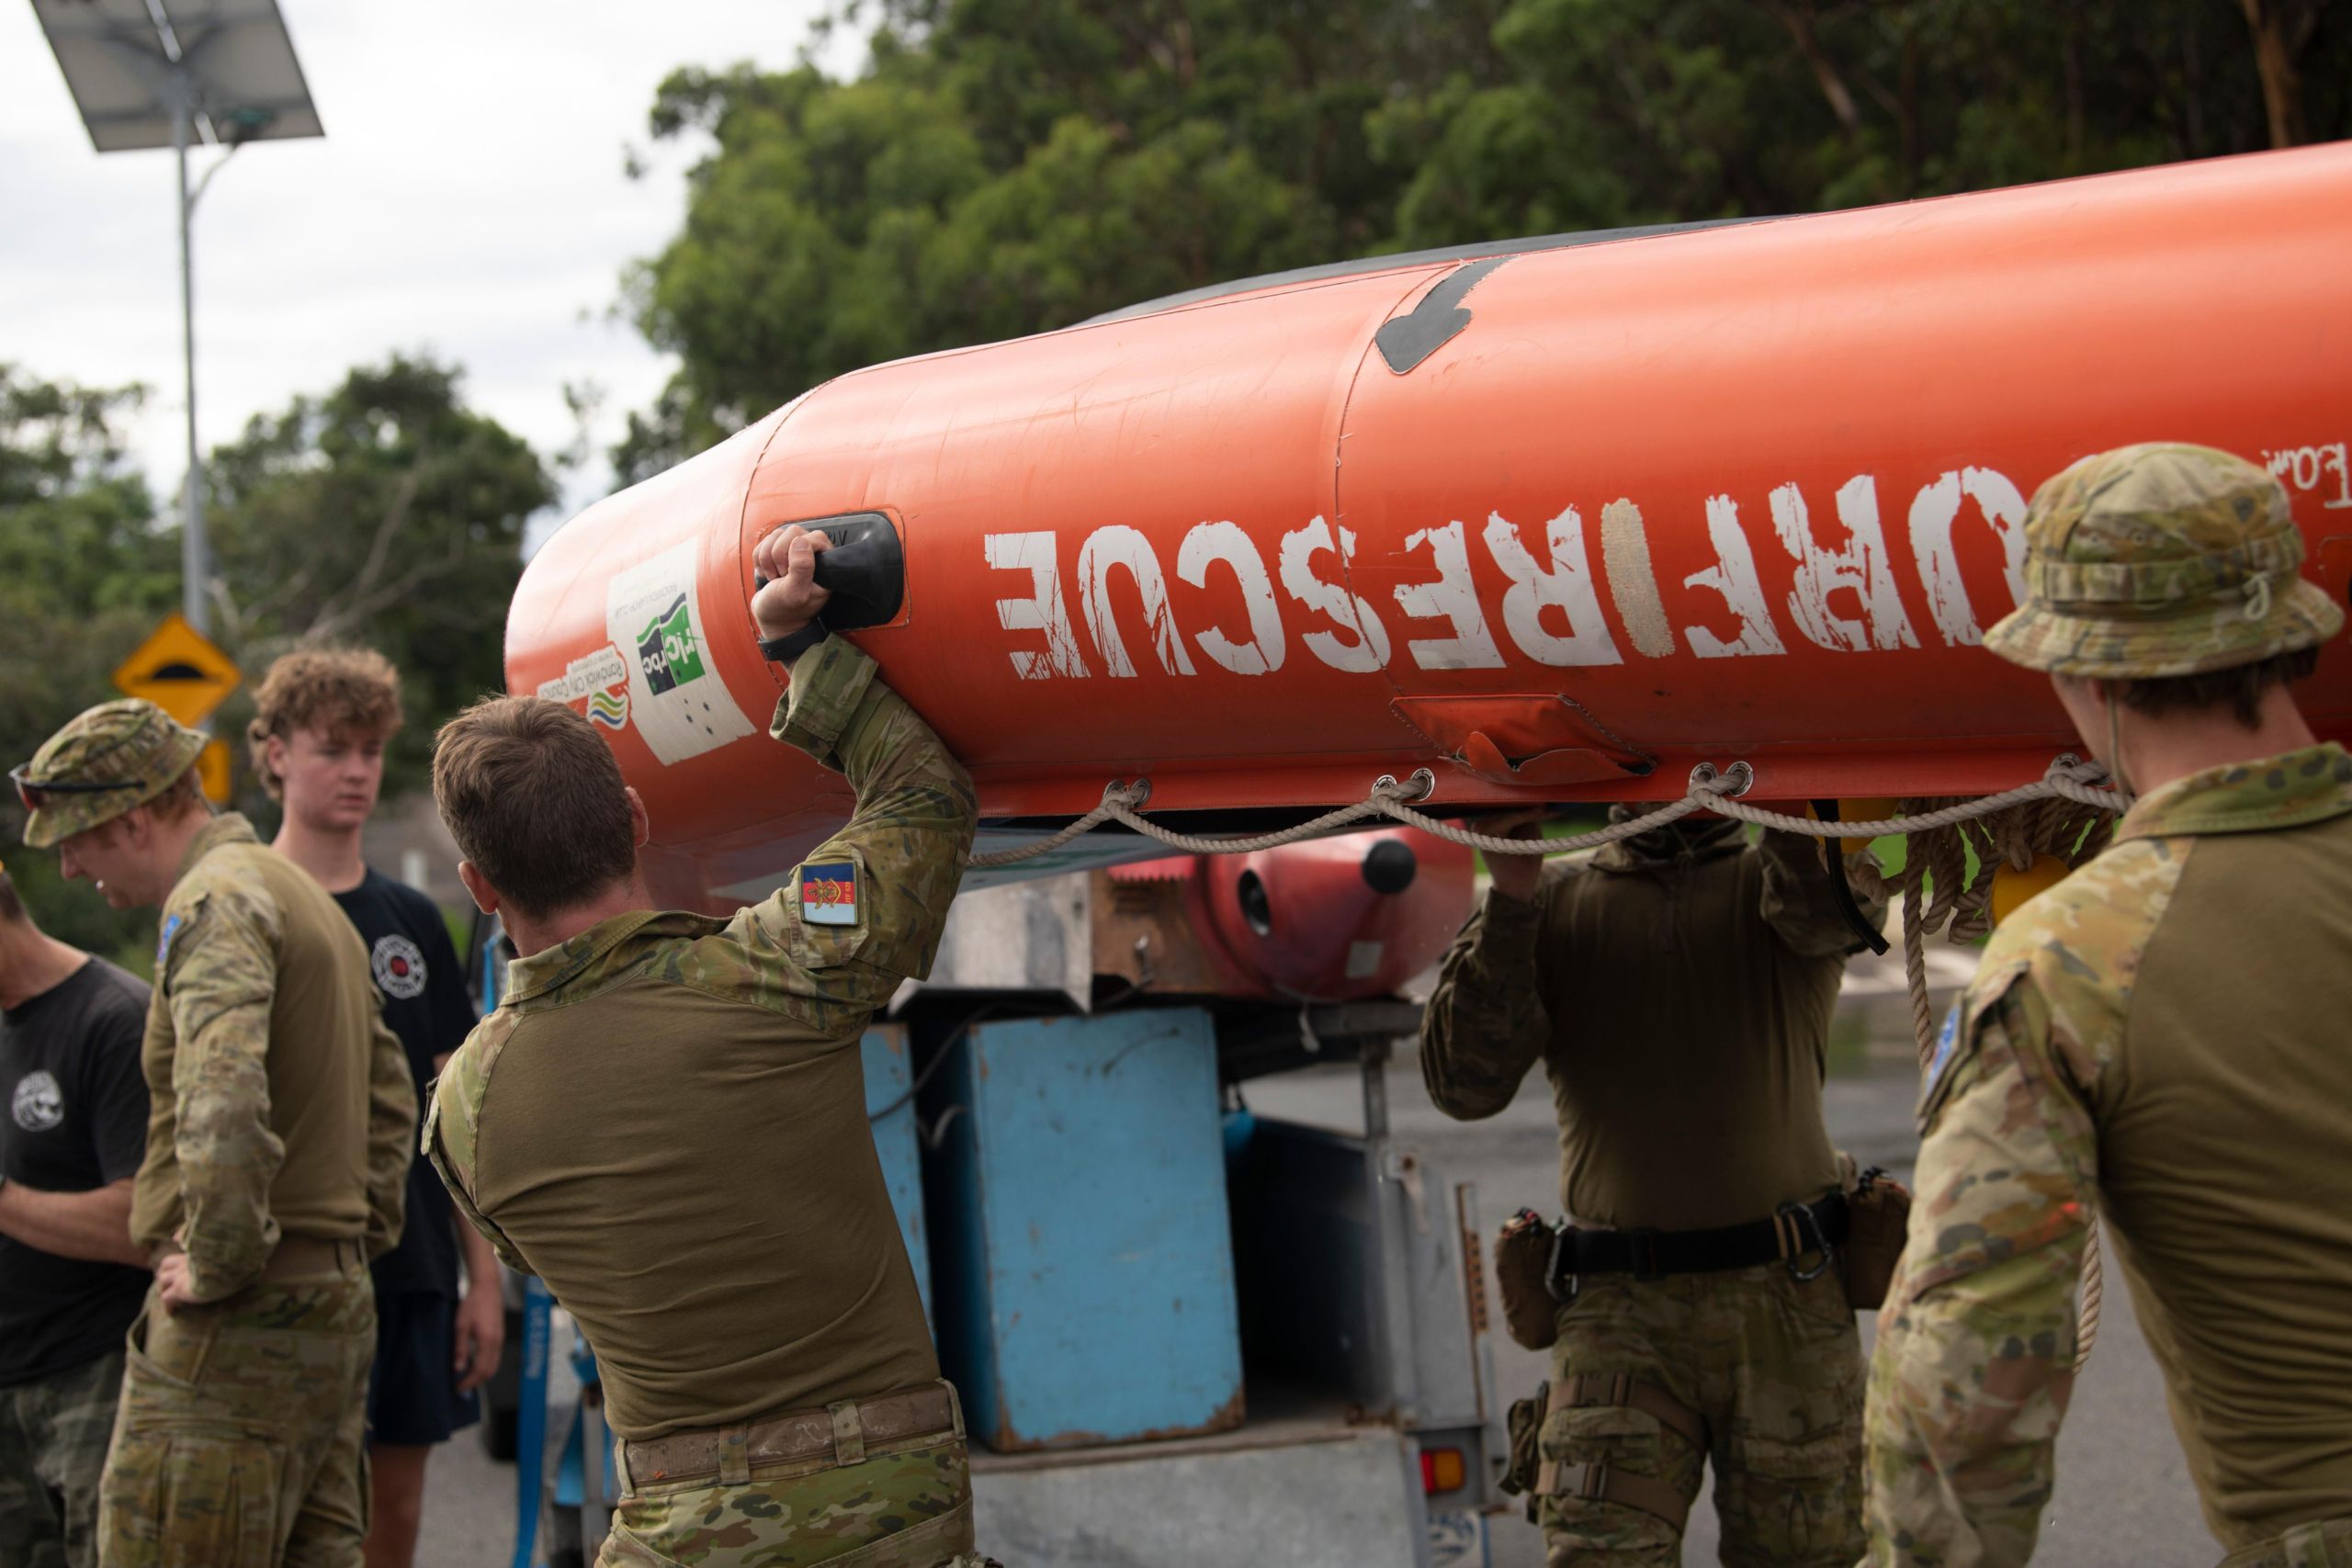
40,1104
399,966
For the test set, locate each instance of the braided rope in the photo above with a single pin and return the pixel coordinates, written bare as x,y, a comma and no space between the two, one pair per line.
2094,1288
2072,824
1115,795
2067,780
2062,814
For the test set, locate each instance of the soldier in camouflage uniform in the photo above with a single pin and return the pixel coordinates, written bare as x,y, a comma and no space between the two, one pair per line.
1678,988
277,1154
666,1120
2161,1037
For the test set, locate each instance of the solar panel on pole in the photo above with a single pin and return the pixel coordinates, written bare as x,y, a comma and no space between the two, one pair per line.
174,73
117,54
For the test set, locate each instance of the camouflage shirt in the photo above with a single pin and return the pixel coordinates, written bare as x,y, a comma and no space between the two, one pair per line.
279,1102
1680,1005
666,1120
2160,1035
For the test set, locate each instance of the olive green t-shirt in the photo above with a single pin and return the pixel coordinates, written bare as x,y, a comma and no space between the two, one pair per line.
1681,1007
279,1104
2161,1039
666,1120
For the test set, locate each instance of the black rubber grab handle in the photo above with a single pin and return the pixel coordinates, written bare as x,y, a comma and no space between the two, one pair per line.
865,571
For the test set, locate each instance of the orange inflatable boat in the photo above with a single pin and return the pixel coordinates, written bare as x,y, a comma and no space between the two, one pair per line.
1557,520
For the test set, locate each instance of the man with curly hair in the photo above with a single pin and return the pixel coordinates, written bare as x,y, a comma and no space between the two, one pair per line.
323,717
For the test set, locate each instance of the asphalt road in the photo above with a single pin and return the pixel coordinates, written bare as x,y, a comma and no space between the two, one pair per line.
2123,1496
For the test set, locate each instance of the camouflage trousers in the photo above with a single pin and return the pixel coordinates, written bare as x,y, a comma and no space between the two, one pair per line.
906,1505
53,1436
1774,1366
2327,1544
238,1439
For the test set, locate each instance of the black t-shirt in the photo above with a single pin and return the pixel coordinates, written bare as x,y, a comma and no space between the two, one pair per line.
424,987
76,1122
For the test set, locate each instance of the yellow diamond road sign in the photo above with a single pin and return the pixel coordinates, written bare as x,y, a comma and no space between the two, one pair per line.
180,671
212,770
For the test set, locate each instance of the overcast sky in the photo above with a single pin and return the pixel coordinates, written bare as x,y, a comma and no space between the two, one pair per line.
468,198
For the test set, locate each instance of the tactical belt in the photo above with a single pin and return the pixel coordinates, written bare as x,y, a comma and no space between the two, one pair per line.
2323,1543
296,1258
841,1431
1650,1494
1795,1230
306,1257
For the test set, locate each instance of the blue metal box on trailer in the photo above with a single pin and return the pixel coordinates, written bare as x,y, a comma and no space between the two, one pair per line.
890,1101
1085,1257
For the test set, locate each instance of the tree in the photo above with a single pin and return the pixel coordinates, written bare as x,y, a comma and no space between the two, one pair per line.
384,512
1006,167
84,575
2284,31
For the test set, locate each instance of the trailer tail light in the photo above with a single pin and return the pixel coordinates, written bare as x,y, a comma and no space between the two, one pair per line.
1442,1471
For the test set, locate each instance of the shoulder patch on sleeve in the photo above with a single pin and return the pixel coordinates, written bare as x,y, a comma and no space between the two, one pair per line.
1947,1038
172,937
829,893
1956,1040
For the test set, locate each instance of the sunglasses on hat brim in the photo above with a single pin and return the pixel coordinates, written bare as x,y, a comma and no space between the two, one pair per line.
31,792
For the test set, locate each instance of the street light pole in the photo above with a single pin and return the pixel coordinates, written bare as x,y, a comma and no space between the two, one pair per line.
176,73
193,565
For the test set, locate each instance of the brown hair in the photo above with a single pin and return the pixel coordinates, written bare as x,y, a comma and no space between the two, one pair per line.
2238,688
12,904
534,800
181,795
345,693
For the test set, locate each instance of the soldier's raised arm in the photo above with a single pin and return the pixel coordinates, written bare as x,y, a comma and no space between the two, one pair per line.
1800,898
1976,1341
866,909
218,971
1486,1023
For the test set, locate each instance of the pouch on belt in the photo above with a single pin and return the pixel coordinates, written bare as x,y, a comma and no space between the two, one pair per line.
1878,1216
1525,1425
1523,1277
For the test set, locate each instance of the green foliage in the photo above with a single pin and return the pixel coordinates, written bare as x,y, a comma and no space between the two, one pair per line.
384,512
84,575
1007,167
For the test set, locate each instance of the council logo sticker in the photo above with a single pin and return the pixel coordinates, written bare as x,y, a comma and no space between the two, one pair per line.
671,690
609,708
40,1104
399,966
668,649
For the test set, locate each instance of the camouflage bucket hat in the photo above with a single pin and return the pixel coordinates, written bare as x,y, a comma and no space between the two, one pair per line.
2161,560
113,757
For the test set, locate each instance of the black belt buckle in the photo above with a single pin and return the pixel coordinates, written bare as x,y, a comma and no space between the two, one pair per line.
1801,1219
1643,1244
1560,1285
